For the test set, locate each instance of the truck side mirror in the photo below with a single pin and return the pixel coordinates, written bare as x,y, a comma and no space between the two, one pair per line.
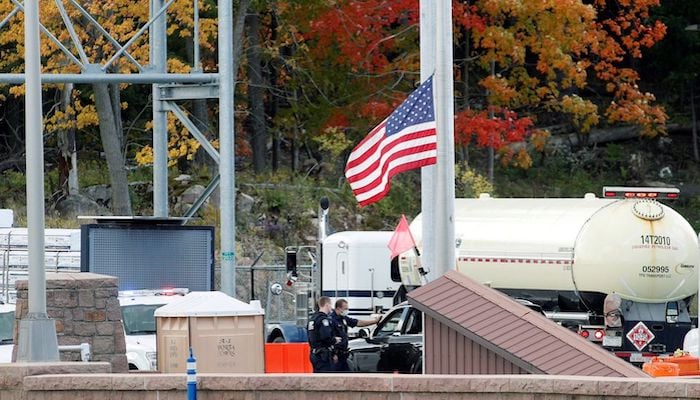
394,269
276,289
291,260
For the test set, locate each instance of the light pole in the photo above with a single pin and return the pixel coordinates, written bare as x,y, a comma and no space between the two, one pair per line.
37,336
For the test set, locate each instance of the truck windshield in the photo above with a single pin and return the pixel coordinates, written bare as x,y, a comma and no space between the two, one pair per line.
7,321
138,319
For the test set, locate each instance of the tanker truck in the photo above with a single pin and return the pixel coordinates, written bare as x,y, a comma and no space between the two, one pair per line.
620,270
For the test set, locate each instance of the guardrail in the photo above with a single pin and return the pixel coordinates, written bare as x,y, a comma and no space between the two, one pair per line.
83,348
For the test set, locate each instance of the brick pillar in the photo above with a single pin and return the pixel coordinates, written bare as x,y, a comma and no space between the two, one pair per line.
86,310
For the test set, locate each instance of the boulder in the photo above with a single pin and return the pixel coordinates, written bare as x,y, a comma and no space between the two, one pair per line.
188,198
101,194
191,194
245,203
75,205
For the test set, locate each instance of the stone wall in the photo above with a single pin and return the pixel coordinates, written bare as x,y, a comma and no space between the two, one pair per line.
86,309
355,386
12,375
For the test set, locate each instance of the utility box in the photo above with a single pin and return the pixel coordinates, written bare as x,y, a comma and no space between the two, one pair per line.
226,335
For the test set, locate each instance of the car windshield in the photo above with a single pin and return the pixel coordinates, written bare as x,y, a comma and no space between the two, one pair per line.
7,322
389,325
138,319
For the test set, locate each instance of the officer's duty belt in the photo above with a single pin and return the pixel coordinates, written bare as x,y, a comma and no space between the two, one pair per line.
321,349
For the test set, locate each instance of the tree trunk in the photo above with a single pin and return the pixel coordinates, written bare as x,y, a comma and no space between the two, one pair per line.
68,157
112,144
275,151
238,25
200,112
256,117
294,149
596,136
694,122
115,99
464,149
272,103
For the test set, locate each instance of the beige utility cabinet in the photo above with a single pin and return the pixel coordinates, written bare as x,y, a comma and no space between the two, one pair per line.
226,335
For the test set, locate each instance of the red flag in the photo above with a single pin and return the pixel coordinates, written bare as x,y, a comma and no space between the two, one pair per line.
402,239
406,140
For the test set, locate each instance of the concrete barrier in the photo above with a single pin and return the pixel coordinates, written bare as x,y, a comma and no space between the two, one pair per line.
12,375
351,386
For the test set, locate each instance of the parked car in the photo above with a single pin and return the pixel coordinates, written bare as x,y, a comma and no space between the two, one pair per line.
137,308
396,343
7,322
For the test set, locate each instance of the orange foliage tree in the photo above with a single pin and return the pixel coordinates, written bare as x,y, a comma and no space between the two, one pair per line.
549,59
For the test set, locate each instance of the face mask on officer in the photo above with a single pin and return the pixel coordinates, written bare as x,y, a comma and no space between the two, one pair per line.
344,313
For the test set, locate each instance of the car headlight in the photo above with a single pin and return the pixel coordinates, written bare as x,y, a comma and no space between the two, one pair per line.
152,355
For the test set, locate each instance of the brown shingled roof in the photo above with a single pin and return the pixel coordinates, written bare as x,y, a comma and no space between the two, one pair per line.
518,334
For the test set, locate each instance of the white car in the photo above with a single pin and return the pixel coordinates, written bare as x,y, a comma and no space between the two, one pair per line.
140,325
7,322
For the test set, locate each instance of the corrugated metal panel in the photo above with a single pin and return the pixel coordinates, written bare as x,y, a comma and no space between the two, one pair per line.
453,353
472,329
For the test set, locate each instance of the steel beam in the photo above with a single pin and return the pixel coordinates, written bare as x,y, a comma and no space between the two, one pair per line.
19,79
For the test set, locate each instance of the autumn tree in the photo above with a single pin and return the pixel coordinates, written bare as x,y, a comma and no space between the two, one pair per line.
331,91
102,106
548,58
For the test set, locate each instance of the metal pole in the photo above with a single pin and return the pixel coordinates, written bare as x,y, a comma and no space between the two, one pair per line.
427,68
37,339
35,162
87,77
226,149
196,67
445,192
428,42
158,58
191,377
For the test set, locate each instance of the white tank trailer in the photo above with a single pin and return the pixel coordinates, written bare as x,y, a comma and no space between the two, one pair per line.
569,254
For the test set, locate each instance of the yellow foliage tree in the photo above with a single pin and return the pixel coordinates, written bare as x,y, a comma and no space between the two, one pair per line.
121,19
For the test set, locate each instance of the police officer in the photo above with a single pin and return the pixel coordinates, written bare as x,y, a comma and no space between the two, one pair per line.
341,322
322,338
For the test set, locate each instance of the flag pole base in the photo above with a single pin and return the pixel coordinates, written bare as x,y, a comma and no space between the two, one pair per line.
37,340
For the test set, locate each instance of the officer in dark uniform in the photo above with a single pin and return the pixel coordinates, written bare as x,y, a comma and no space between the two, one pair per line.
322,338
341,322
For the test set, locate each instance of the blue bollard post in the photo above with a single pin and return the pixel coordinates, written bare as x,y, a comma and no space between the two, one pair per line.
191,377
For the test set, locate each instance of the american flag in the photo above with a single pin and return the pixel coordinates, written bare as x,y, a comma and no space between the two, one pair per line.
404,141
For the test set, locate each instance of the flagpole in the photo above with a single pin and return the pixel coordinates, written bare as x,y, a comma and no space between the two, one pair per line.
427,189
444,103
37,340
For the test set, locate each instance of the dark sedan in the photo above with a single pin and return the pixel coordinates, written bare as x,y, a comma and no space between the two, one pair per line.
395,344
